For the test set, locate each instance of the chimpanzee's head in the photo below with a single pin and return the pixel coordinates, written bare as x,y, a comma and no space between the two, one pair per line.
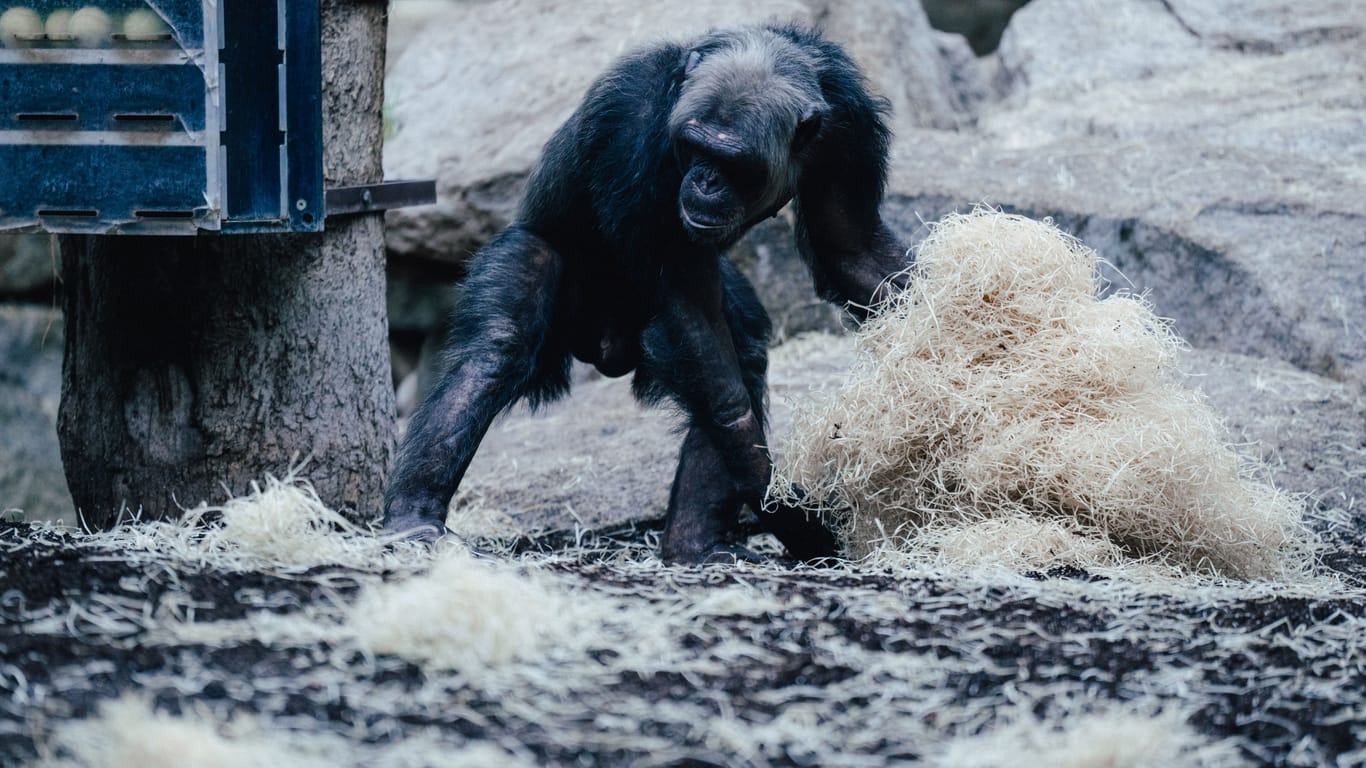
748,115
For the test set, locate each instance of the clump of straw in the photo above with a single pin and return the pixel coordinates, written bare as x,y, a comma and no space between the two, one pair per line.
999,388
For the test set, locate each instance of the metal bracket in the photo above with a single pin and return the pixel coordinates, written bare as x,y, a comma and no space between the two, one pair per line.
368,198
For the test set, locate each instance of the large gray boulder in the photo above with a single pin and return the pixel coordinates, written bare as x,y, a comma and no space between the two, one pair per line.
476,94
598,458
1213,152
31,478
28,266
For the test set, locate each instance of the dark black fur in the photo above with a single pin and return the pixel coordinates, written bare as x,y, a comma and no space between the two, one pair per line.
617,258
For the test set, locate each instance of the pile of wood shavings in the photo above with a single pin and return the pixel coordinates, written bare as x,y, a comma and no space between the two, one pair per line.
1001,411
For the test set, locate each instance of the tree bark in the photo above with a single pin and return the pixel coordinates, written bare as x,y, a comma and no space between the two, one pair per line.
194,365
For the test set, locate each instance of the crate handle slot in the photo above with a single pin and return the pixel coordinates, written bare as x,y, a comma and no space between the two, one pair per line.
155,37
164,214
137,118
88,213
36,117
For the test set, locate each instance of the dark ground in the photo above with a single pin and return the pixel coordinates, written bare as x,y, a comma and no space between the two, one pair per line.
1279,673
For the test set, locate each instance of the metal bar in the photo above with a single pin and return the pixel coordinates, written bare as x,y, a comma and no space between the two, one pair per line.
96,56
366,198
251,131
103,138
301,111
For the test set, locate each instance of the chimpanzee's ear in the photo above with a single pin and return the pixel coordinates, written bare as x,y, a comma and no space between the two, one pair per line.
809,126
692,59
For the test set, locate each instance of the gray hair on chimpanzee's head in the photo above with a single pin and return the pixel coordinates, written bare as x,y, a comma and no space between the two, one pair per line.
754,82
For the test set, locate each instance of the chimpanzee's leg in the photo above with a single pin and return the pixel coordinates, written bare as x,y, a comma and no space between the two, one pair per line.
497,353
688,356
703,507
805,538
707,349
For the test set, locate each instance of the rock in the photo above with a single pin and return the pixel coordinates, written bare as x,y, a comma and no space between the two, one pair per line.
31,477
1307,431
980,21
768,257
28,267
905,60
31,346
1211,152
474,108
418,295
409,17
597,458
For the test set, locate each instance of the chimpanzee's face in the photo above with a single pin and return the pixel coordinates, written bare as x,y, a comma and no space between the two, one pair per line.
740,131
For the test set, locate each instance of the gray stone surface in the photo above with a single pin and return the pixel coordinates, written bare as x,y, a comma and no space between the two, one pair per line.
474,97
597,458
31,478
27,265
980,21
1214,152
1307,431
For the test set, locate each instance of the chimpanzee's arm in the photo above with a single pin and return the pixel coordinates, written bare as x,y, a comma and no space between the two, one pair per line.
839,230
500,327
690,355
851,260
707,349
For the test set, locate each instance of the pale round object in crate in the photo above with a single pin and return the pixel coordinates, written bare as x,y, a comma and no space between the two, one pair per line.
58,25
92,27
144,24
19,24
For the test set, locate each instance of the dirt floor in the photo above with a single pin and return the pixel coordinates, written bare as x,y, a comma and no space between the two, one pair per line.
124,648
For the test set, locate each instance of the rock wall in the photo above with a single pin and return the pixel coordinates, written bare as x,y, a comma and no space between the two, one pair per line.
1211,150
982,22
479,87
31,338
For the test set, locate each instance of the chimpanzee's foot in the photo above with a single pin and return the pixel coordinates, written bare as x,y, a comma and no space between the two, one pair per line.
418,517
803,534
435,538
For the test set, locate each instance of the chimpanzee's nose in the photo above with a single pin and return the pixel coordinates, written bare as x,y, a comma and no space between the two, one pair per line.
708,182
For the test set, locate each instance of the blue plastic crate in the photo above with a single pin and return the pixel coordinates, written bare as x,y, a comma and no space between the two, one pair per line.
160,117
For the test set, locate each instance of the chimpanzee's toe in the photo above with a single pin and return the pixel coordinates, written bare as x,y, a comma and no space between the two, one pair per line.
423,531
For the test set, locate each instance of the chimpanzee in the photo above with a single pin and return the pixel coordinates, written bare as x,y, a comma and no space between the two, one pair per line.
617,258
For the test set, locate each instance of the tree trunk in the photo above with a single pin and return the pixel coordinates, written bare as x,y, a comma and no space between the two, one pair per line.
195,365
